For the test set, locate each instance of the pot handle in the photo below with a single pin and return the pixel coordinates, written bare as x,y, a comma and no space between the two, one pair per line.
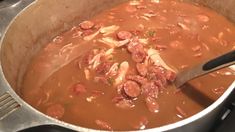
16,115
9,9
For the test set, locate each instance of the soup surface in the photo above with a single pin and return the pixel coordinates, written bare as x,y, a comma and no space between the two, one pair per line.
105,73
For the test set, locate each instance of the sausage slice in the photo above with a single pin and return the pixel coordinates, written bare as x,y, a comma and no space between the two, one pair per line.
85,25
123,35
132,89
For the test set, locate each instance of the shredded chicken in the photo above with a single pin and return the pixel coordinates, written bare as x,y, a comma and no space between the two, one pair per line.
155,1
156,58
113,43
109,41
113,70
149,15
122,43
66,48
92,36
124,66
108,30
96,60
144,41
87,74
134,2
109,52
183,26
145,18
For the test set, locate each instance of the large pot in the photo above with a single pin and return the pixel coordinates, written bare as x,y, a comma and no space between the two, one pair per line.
28,24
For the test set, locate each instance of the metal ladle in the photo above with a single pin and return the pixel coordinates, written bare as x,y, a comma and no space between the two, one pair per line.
217,63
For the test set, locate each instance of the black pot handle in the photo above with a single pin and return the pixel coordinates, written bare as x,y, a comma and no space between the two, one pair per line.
226,58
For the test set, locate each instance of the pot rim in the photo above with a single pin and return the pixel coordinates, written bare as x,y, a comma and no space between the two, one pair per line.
167,127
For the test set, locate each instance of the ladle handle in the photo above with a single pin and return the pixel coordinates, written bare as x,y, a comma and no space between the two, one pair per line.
220,62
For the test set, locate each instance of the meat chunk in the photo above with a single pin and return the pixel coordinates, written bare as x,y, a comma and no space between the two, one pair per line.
137,78
86,59
134,44
170,76
124,66
131,89
103,67
86,25
156,58
150,89
138,55
157,73
142,69
125,104
122,35
79,88
113,70
102,80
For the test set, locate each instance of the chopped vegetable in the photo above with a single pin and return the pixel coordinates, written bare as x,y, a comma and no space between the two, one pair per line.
151,33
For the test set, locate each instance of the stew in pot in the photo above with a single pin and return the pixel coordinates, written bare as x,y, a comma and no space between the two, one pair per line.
118,81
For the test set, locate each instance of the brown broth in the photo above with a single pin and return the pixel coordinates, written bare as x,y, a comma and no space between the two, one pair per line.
188,40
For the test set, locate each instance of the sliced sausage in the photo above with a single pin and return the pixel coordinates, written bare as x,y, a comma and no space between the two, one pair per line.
159,83
138,55
123,35
170,76
134,44
157,73
150,89
152,104
103,125
131,89
79,88
55,111
142,69
86,25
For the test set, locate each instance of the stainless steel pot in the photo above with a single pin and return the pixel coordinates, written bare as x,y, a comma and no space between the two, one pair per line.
28,24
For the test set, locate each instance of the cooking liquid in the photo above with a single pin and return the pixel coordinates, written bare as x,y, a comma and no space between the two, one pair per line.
183,33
